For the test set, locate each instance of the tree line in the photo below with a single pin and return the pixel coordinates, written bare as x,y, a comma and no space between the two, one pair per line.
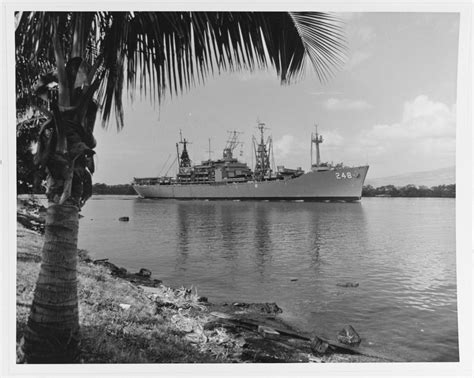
446,191
113,189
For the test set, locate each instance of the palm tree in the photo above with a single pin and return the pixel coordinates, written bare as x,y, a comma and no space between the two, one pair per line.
94,55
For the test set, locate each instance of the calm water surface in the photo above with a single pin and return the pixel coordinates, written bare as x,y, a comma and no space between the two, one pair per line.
401,251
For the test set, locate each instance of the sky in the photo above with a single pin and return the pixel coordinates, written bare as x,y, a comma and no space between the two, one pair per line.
392,105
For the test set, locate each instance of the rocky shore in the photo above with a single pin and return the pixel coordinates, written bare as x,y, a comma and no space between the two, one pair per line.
132,318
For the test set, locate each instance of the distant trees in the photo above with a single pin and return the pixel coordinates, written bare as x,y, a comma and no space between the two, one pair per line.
447,191
113,189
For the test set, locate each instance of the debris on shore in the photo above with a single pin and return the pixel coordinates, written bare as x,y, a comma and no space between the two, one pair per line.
143,277
31,214
245,332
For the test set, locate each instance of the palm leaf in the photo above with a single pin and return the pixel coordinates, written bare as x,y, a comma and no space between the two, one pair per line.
168,52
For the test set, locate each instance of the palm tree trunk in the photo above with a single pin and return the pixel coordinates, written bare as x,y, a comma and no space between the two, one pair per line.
52,333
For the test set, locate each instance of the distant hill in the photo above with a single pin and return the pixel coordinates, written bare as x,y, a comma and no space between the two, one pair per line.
441,176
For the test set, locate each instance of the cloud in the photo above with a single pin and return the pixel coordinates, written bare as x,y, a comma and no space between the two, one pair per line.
423,139
422,120
285,145
346,104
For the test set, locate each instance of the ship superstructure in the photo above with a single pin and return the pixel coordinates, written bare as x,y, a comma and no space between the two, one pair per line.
228,178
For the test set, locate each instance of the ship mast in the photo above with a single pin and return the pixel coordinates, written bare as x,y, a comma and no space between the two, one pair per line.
184,161
316,139
262,154
209,150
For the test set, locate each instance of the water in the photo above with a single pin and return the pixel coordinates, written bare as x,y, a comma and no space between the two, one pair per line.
401,251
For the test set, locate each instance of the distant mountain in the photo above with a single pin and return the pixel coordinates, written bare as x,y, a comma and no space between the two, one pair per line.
436,177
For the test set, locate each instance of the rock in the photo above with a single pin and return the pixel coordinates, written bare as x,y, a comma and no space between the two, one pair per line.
318,346
105,262
271,308
120,272
124,219
124,306
238,304
144,273
348,284
348,336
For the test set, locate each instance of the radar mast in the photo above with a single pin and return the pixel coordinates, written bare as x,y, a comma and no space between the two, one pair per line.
316,139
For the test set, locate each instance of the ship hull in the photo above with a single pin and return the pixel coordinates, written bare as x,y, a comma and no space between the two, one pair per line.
339,184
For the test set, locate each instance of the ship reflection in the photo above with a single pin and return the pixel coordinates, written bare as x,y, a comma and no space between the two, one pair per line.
230,230
246,236
182,237
261,238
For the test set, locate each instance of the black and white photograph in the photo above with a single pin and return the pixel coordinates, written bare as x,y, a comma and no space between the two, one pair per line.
281,188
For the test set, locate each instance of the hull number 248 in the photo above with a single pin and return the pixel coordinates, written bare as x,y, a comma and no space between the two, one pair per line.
344,175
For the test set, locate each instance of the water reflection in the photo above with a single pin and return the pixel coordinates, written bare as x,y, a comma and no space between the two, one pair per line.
231,229
261,238
315,241
182,236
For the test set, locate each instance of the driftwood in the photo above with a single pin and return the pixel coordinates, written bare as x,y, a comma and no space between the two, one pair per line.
296,340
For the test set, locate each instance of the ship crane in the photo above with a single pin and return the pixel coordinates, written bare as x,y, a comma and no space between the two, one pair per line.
231,144
262,152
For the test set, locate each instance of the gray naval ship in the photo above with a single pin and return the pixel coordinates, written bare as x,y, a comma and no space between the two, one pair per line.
229,179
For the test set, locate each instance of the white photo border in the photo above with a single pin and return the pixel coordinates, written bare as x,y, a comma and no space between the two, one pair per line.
464,192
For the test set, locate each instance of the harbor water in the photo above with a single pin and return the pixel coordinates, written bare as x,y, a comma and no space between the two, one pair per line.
400,251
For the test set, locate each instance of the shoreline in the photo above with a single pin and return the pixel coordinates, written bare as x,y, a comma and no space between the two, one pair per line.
136,319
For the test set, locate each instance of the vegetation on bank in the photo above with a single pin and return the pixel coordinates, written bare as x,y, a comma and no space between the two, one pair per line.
446,191
120,189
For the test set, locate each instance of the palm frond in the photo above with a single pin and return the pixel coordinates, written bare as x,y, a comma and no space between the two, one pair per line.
168,52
